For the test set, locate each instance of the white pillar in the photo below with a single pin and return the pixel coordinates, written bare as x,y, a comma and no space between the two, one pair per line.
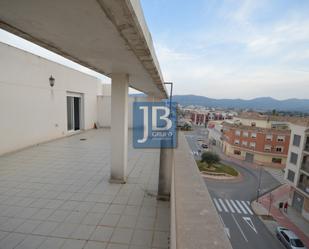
165,173
119,127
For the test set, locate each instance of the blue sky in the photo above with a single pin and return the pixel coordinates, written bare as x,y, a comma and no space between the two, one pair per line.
232,48
224,48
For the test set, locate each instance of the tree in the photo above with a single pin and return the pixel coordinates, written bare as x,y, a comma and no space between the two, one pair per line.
210,158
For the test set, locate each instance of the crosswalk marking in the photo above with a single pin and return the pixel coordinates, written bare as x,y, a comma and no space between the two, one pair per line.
223,205
217,205
233,206
241,207
230,206
249,210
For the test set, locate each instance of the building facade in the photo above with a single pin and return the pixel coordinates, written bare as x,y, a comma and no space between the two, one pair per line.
266,144
297,168
33,111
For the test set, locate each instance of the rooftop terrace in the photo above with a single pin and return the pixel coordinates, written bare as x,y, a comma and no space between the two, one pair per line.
58,195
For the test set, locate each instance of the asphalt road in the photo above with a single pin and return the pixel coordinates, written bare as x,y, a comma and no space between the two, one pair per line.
232,201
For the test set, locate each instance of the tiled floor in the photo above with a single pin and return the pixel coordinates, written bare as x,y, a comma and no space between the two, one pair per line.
57,195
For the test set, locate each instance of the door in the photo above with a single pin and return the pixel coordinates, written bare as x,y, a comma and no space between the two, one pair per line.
298,202
73,113
249,157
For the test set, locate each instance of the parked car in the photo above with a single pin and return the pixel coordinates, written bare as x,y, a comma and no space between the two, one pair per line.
289,239
204,146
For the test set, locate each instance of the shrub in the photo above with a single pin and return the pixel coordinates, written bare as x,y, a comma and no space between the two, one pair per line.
210,158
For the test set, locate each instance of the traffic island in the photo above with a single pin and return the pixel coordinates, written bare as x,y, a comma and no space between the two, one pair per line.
217,171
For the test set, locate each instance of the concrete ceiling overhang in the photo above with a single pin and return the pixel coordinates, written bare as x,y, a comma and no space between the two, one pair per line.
108,36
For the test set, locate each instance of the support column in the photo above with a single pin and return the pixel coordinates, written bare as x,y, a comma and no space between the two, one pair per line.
119,127
165,173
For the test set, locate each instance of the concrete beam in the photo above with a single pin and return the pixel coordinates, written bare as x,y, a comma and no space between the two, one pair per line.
119,127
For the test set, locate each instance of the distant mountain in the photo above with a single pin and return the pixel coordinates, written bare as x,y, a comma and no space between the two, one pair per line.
263,103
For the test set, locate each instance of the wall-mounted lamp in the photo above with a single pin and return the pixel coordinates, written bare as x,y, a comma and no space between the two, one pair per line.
51,81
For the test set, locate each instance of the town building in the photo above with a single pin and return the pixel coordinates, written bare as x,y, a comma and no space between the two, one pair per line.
258,140
297,168
215,133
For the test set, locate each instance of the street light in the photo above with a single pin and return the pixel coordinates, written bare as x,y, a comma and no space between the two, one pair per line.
259,184
51,81
171,92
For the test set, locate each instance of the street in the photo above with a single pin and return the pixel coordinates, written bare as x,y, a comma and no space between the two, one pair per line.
232,200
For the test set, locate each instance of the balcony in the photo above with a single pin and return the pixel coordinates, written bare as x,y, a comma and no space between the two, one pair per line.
59,192
303,183
305,164
306,148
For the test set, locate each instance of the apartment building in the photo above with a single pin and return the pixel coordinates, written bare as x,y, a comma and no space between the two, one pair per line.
259,140
297,168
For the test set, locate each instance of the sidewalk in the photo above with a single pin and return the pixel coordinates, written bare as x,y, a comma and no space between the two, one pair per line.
269,203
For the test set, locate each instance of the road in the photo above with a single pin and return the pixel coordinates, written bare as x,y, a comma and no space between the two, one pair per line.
232,201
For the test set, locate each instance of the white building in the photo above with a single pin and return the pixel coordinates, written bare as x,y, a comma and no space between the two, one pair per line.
215,133
39,112
297,169
31,110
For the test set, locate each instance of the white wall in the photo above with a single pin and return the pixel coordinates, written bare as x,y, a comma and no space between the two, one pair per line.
104,110
30,110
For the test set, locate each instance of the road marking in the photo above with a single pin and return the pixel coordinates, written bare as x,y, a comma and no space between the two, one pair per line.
217,204
235,206
250,223
248,202
241,231
230,206
223,205
241,207
249,210
226,229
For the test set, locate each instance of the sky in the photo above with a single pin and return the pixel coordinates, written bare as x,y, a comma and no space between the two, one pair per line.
223,48
232,48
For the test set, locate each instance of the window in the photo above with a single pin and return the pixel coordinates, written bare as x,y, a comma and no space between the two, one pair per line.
296,140
291,175
237,152
253,135
293,158
244,143
279,149
236,141
245,134
237,133
267,148
280,138
269,137
276,160
252,145
285,237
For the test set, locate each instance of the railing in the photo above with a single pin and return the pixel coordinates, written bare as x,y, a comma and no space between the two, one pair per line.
194,219
303,187
305,167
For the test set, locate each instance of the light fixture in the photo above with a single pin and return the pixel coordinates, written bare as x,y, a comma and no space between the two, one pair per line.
51,81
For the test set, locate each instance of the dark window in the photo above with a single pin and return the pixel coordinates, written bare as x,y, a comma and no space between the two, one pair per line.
285,236
237,152
291,175
293,158
276,160
296,140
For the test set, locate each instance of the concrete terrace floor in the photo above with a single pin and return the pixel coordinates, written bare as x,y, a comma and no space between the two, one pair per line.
58,195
